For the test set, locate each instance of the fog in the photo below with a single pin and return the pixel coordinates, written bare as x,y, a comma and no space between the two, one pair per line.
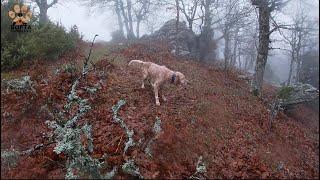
103,22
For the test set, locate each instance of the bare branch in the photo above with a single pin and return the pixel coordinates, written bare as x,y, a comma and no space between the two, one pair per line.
52,3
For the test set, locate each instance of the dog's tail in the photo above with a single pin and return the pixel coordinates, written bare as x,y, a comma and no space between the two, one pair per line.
136,63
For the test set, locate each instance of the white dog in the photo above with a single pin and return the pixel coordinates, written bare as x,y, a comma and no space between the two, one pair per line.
158,75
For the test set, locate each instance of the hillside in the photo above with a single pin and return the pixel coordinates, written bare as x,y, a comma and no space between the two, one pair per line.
216,117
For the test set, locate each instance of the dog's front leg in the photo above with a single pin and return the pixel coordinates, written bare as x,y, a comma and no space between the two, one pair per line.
144,77
142,86
164,98
156,94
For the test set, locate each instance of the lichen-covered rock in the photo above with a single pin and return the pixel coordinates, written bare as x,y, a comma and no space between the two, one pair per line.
186,38
297,93
9,158
22,84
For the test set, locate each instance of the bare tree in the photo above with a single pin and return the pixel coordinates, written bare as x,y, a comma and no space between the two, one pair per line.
43,7
206,35
118,12
231,16
297,39
141,11
236,45
248,45
177,26
101,5
265,8
126,11
189,11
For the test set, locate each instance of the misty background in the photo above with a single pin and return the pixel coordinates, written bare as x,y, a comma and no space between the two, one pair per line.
102,21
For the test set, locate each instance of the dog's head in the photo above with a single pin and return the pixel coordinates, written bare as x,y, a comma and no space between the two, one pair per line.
180,79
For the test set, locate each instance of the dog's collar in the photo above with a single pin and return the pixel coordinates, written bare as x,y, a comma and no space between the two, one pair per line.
173,77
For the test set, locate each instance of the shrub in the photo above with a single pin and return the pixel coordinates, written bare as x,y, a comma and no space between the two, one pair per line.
49,42
117,36
69,68
12,55
285,92
74,33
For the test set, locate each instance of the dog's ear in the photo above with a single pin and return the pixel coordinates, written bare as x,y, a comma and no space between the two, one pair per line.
177,79
180,77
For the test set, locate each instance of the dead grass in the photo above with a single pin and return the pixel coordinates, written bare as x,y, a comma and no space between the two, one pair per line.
216,117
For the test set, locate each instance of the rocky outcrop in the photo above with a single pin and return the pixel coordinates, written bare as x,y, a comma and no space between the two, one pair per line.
187,39
22,84
300,93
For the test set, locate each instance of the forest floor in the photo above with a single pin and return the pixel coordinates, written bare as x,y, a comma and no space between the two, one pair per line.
216,117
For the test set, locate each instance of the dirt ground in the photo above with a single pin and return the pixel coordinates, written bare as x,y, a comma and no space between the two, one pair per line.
216,117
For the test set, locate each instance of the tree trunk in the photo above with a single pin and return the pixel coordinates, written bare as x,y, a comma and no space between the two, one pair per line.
253,56
299,62
138,29
206,35
118,12
43,18
235,45
177,28
131,34
298,56
125,18
239,60
290,70
247,58
190,22
264,39
226,50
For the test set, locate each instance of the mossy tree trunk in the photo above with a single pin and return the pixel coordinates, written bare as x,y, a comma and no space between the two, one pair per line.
263,49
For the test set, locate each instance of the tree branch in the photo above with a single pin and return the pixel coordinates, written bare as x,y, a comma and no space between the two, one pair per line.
52,3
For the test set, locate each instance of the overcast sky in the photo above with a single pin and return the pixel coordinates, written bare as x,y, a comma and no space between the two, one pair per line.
103,23
70,12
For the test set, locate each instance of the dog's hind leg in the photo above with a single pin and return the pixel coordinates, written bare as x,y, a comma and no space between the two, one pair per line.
161,89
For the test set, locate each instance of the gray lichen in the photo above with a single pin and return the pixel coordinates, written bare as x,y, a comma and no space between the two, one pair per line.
157,126
200,170
22,84
68,139
9,158
68,136
156,130
131,168
87,132
147,150
117,119
94,88
201,167
111,174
